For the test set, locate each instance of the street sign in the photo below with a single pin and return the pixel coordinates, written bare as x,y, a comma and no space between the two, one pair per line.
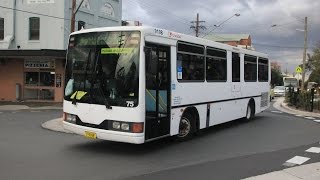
298,69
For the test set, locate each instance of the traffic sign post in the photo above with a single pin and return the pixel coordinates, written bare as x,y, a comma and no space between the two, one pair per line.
298,70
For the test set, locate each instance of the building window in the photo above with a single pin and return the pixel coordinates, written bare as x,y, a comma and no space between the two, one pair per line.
250,68
263,70
190,62
1,28
39,78
81,24
235,67
34,28
216,62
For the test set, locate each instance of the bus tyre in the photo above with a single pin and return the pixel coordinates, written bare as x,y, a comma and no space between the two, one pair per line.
250,112
187,127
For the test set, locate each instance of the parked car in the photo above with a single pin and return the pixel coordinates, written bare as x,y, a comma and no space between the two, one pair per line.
279,90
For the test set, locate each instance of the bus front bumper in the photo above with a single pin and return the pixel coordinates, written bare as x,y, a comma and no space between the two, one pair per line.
134,138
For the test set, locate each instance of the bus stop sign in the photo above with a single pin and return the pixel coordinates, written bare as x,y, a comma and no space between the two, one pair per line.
298,69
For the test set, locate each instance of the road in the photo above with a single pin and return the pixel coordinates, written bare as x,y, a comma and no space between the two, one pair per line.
233,150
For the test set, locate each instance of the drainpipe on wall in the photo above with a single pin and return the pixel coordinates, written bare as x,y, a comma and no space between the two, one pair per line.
14,20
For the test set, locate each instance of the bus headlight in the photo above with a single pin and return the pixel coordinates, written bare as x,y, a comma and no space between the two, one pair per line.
125,126
70,118
116,125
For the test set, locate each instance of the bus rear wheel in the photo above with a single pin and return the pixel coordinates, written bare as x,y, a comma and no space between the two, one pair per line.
250,111
187,127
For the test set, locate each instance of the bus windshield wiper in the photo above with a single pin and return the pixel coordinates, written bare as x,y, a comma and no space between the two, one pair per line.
106,103
74,100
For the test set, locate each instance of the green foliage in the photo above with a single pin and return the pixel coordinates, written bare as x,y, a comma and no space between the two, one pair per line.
276,77
315,64
303,100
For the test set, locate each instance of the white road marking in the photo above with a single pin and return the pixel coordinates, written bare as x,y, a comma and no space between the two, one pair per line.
1,112
317,120
276,112
35,111
309,117
313,150
298,160
298,115
13,112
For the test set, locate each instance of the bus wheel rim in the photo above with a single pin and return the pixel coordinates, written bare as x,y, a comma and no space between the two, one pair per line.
184,128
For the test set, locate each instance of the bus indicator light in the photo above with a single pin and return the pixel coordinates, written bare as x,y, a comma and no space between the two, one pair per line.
137,127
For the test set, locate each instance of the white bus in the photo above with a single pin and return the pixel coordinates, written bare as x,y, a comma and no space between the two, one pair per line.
137,84
290,82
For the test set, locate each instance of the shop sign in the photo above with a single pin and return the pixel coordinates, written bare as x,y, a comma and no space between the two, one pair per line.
46,64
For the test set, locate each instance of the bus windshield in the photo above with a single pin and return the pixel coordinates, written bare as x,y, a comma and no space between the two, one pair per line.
103,68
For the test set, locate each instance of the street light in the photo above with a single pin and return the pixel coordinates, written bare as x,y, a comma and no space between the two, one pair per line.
216,26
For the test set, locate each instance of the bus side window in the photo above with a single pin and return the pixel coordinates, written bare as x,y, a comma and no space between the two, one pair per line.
235,67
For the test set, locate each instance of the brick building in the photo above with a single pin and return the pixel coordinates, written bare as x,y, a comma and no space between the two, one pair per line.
238,40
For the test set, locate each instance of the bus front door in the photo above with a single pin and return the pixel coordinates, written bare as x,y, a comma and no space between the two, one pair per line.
157,91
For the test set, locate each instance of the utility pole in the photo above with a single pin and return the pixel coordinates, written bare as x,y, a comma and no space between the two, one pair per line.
197,26
73,13
304,52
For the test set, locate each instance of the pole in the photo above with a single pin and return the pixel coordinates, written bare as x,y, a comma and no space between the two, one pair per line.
73,15
304,52
197,25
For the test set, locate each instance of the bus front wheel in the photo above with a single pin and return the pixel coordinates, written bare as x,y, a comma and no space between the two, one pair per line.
187,127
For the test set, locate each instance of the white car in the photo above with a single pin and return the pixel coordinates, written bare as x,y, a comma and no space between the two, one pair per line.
279,91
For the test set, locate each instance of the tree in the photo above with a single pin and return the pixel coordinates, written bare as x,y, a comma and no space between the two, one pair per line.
315,65
276,76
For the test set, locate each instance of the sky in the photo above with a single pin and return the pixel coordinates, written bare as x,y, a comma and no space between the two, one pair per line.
276,26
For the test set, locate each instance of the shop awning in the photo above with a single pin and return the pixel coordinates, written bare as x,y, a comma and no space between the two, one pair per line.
9,53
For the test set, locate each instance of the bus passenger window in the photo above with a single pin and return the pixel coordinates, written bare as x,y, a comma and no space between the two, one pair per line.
250,68
263,70
190,62
216,62
235,67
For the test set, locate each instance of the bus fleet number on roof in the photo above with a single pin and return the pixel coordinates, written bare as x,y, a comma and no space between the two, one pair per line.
158,31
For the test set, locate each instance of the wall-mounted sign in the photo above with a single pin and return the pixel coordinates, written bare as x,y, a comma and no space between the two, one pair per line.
107,9
44,64
85,4
39,1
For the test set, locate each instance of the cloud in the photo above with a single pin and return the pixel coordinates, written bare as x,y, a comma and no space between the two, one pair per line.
256,19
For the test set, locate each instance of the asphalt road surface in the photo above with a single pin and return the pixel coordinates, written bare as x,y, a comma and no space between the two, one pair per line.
233,150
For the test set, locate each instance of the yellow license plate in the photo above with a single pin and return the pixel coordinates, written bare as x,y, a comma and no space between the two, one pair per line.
90,135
